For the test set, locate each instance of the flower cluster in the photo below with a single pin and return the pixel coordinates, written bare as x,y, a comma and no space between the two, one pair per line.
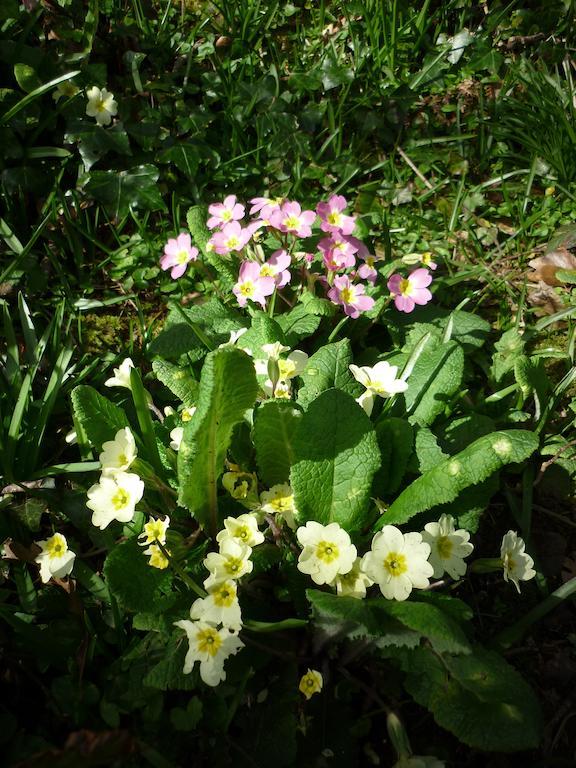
216,620
338,260
154,538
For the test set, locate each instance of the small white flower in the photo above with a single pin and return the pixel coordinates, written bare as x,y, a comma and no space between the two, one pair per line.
243,529
121,376
327,551
118,454
187,413
101,105
234,336
55,559
211,647
157,557
287,367
282,390
66,89
518,566
114,498
354,583
398,562
221,606
232,562
176,436
279,500
379,380
310,683
448,547
154,532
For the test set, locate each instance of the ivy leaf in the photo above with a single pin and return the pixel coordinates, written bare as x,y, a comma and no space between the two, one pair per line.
275,424
228,387
471,466
335,458
134,583
329,367
479,698
436,377
98,416
179,380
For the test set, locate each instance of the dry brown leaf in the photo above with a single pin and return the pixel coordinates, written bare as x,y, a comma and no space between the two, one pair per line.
545,267
544,296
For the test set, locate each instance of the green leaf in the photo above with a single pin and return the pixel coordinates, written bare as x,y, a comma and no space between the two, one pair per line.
196,219
179,380
140,399
184,156
327,368
264,330
396,441
99,418
315,305
134,583
428,452
228,387
436,377
26,77
471,466
120,191
336,456
167,674
479,698
431,622
508,349
298,324
275,424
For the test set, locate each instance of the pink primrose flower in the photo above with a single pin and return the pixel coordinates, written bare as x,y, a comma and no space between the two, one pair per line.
332,218
291,218
338,251
351,297
222,213
426,259
232,237
277,267
368,271
258,204
411,290
252,286
178,252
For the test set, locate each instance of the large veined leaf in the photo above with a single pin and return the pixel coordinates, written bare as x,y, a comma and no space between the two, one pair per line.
436,377
99,417
336,456
479,697
297,324
228,387
275,424
396,441
120,191
179,380
329,367
471,466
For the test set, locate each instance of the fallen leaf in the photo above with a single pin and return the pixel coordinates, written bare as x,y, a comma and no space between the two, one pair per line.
545,267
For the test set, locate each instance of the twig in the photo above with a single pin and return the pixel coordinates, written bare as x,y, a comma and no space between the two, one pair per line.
418,173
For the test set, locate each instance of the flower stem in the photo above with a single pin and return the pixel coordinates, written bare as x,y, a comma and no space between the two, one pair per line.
337,330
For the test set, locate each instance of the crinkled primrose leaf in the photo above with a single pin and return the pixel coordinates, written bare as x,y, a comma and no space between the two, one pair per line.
275,424
470,467
328,367
335,458
436,377
99,418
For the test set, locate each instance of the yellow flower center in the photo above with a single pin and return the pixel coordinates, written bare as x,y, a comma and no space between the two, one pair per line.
405,287
292,222
444,546
55,547
226,215
370,261
286,369
123,459
395,564
509,563
334,218
327,551
347,295
282,503
182,257
266,271
224,596
120,499
426,257
247,288
154,530
234,565
100,105
232,242
209,641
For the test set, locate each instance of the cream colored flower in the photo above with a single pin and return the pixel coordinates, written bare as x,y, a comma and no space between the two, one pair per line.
234,336
243,529
354,583
176,436
187,413
232,562
279,500
55,559
114,498
327,551
448,547
518,566
221,606
121,377
398,562
101,105
379,380
157,557
66,89
211,647
310,683
118,454
154,531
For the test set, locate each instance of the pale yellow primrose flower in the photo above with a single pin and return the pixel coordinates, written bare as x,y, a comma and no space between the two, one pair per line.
310,683
327,551
187,413
280,500
157,558
118,454
101,105
354,583
243,529
176,436
55,559
280,370
211,647
121,376
448,547
154,531
114,498
221,606
66,89
398,562
518,566
379,380
232,562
